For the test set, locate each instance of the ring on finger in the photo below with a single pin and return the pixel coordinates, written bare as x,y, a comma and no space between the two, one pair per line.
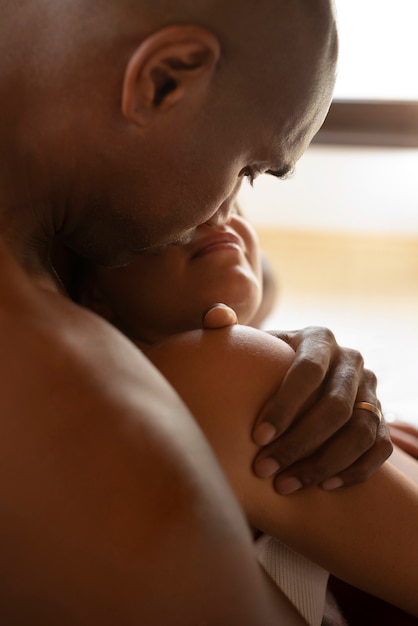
367,406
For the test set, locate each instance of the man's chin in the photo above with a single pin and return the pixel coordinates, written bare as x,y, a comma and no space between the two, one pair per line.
184,239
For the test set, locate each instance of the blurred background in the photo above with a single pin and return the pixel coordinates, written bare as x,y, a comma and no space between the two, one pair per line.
342,234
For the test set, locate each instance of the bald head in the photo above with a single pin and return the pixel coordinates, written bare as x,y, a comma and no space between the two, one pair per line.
138,119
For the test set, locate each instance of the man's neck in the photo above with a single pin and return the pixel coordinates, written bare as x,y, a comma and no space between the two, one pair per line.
29,244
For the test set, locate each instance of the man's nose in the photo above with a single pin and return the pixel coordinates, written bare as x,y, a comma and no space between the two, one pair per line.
223,215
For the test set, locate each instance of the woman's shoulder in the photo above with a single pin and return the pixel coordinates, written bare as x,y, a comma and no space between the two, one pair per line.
233,369
236,338
240,346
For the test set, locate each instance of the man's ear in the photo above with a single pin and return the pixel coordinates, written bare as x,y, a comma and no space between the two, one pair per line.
170,65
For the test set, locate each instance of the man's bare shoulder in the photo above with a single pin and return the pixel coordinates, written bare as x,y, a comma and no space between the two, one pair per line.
104,474
60,358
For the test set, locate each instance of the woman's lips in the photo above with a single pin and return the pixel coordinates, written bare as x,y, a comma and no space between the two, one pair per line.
213,244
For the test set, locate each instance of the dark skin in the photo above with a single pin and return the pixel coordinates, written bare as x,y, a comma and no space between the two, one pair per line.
405,436
222,263
89,533
119,131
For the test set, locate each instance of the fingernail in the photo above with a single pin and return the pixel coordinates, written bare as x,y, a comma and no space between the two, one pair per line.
266,467
264,433
289,485
332,483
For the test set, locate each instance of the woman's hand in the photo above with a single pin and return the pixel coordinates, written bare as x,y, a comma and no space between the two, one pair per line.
405,436
218,316
310,432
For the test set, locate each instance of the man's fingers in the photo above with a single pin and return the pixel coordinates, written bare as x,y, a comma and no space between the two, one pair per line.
366,465
318,359
299,442
353,454
311,473
298,391
310,432
298,438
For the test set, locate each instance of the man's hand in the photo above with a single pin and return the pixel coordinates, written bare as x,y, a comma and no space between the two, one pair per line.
405,436
311,433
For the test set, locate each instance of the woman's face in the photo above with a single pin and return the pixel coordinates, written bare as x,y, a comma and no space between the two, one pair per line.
166,289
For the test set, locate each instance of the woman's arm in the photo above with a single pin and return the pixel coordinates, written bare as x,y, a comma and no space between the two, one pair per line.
365,534
405,436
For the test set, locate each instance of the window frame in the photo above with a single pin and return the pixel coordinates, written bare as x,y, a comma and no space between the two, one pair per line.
371,123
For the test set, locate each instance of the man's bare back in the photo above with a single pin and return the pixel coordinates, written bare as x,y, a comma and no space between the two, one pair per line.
103,500
120,130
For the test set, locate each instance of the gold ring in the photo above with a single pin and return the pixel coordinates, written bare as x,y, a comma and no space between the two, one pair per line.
366,406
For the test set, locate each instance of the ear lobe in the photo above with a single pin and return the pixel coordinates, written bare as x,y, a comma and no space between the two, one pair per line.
172,64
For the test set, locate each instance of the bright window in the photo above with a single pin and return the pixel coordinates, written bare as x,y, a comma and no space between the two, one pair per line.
378,50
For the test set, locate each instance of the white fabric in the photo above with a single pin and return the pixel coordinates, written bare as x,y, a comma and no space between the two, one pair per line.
302,581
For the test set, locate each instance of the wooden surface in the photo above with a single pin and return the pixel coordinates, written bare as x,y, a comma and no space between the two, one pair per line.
380,266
